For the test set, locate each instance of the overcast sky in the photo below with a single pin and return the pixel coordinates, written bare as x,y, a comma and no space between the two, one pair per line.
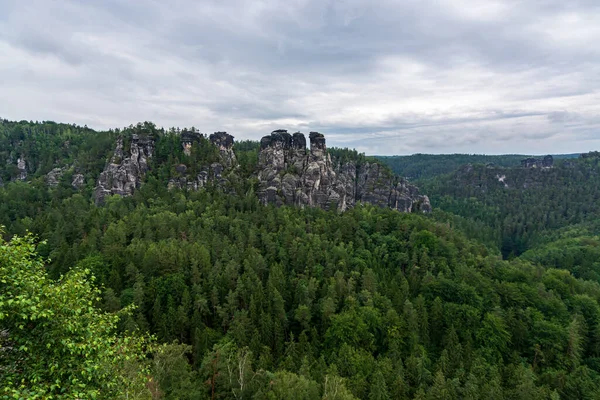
385,77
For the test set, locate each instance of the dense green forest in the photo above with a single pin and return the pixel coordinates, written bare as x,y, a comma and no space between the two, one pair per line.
523,207
209,294
421,166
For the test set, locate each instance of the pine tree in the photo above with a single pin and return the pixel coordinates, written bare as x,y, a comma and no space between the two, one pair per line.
379,390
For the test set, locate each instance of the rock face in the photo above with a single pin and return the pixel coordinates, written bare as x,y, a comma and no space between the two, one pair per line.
591,154
224,142
54,176
187,140
208,173
546,162
22,167
126,169
376,185
78,181
289,174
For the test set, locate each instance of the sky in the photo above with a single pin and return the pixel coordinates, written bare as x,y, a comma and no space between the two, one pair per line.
384,77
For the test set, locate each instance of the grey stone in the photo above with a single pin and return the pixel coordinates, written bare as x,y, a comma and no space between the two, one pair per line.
288,174
126,170
531,162
78,181
224,142
22,166
54,176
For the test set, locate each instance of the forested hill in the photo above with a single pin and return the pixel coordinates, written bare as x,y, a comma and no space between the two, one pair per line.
521,205
254,300
282,170
377,303
30,150
422,166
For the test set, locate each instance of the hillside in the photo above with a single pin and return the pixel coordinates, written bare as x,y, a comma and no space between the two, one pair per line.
423,166
255,293
521,205
283,170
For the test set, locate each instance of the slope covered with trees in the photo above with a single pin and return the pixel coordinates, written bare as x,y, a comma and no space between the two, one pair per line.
47,145
423,166
521,205
54,342
252,301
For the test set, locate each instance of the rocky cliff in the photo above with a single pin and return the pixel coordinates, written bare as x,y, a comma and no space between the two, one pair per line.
126,168
53,178
22,167
532,162
288,173
211,172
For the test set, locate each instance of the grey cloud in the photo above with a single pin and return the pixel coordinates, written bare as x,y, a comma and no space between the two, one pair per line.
387,77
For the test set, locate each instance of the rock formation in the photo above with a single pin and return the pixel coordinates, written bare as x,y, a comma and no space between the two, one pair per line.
531,162
224,142
54,176
289,174
78,181
188,138
591,154
126,169
22,167
212,172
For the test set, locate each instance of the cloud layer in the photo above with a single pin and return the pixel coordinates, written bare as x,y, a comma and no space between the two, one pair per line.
386,77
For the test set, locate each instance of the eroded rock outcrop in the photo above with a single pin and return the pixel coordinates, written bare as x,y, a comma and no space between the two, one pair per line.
126,169
78,181
531,162
188,138
591,154
212,172
224,143
53,177
22,167
288,173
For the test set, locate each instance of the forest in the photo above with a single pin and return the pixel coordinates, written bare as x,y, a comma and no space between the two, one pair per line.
422,166
209,294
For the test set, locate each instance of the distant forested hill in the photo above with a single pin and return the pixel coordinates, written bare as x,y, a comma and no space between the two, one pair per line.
421,166
42,146
521,205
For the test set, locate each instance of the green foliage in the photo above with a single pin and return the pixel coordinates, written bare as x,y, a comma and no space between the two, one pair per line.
302,291
46,145
253,301
424,166
173,373
522,207
55,343
344,155
285,385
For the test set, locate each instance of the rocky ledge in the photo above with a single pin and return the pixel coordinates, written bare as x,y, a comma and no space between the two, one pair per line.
125,171
288,173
